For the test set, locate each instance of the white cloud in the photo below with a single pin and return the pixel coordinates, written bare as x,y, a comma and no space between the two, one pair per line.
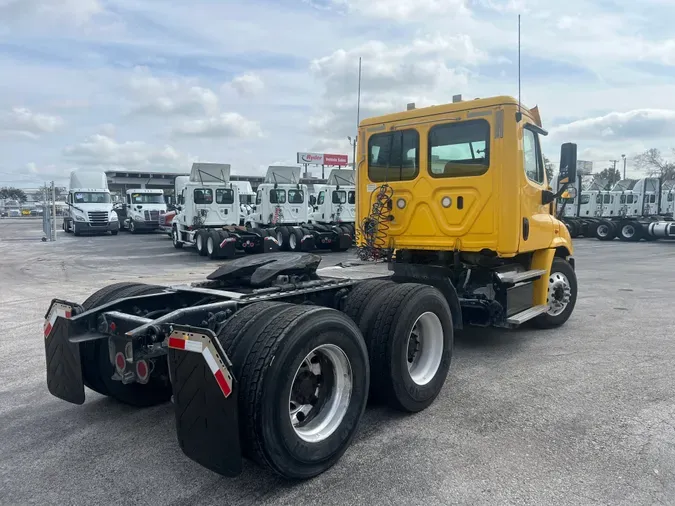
228,125
403,10
637,124
72,11
24,122
248,85
105,152
171,96
107,129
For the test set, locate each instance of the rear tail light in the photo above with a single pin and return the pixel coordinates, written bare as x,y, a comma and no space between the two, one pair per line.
120,362
142,371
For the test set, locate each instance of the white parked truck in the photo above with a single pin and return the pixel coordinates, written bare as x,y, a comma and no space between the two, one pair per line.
282,203
89,205
628,211
246,200
208,216
141,210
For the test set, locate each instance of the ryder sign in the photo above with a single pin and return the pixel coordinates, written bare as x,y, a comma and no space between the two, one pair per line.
322,159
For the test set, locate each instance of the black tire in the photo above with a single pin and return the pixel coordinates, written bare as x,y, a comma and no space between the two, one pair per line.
114,232
605,231
360,300
547,320
630,231
212,244
274,349
175,237
89,350
200,242
297,234
410,306
132,227
157,390
76,232
283,235
573,228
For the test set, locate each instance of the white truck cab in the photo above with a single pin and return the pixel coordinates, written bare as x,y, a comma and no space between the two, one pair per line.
335,201
280,200
141,209
89,205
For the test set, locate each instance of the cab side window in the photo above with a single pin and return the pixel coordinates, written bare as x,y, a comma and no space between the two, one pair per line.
321,199
258,197
532,161
585,199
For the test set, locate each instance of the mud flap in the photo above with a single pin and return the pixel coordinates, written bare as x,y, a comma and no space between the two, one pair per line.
205,400
64,367
270,245
307,243
227,248
345,241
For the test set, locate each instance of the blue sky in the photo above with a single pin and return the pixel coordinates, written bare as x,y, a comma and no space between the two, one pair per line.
155,85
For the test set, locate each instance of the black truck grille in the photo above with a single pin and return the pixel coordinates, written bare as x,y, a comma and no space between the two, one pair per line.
98,218
152,216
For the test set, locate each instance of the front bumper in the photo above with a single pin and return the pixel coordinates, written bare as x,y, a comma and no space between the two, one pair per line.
146,225
87,227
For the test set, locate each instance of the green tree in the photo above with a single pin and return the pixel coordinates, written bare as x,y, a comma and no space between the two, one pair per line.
611,175
8,192
549,171
653,162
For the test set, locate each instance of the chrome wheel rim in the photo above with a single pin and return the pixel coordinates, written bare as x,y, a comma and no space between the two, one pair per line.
628,231
559,293
425,348
320,393
175,236
209,245
292,241
603,230
200,242
280,238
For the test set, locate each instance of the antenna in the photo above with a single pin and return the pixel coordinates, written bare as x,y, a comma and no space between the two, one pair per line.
519,116
358,117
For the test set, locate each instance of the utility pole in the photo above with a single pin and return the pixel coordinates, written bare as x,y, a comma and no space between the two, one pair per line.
624,166
53,212
614,162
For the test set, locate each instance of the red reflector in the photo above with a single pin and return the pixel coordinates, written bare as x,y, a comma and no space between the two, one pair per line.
142,369
222,383
120,362
174,342
113,327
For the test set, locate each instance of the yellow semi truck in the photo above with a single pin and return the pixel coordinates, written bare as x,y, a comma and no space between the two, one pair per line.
268,360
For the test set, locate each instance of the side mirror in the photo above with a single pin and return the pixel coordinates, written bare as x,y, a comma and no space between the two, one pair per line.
568,163
312,200
570,193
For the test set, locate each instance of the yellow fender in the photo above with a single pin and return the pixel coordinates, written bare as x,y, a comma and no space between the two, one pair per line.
542,259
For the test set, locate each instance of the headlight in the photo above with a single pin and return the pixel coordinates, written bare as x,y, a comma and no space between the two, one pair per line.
78,217
113,216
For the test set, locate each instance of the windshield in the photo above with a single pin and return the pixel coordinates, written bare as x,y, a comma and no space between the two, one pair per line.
246,199
296,196
224,196
91,198
147,198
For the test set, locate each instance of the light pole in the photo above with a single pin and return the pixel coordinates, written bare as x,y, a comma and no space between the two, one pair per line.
353,145
624,166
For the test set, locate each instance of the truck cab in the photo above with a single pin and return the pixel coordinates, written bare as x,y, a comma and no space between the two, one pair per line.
281,199
462,187
90,207
208,199
334,202
142,210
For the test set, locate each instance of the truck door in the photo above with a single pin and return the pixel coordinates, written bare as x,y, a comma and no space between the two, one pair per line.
536,221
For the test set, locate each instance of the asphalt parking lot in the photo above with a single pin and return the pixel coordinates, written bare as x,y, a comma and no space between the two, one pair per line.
580,415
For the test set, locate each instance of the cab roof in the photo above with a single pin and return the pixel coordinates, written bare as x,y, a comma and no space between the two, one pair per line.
464,105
